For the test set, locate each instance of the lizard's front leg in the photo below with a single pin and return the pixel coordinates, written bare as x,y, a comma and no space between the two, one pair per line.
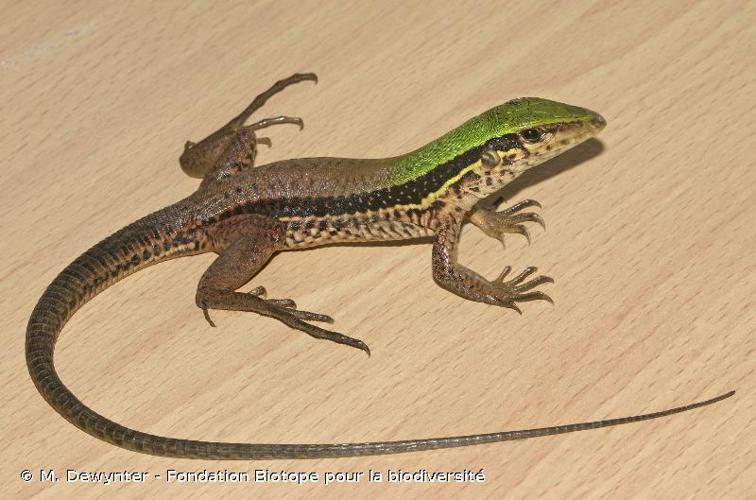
468,284
245,243
508,221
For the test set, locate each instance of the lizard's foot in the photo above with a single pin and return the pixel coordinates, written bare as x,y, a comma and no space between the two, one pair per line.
233,147
508,221
508,293
284,310
261,99
247,134
289,305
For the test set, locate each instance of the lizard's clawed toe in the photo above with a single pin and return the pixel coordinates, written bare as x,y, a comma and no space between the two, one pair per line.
508,293
509,221
284,310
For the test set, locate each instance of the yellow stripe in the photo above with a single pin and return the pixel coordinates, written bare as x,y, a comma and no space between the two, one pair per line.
442,190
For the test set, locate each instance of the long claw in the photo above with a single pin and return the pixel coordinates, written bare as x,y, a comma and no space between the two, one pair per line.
278,120
264,140
541,280
310,316
504,273
206,313
528,297
527,217
538,220
524,274
520,229
515,307
521,205
321,333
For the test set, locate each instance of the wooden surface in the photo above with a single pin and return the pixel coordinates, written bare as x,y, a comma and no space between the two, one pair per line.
650,239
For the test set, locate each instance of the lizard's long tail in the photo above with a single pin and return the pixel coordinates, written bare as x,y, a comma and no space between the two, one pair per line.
138,246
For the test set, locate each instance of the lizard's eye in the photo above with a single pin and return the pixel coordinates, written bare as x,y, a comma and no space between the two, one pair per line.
531,135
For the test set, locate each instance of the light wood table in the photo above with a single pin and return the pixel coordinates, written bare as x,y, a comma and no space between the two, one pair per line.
651,236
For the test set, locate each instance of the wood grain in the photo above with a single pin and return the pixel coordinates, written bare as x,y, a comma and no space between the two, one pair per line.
650,238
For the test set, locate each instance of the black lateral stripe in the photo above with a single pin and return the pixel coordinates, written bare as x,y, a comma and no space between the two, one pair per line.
409,193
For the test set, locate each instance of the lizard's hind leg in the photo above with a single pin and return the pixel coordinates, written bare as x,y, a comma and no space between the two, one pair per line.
245,244
235,143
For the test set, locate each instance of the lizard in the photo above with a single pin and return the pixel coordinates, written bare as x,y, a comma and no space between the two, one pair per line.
247,213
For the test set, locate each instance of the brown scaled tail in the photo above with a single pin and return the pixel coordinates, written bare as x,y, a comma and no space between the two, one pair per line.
138,246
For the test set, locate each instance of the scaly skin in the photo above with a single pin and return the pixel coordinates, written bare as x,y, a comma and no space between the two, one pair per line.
247,214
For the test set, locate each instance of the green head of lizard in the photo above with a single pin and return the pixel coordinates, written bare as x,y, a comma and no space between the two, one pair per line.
526,131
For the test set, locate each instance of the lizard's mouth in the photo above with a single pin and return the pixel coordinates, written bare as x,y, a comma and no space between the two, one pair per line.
558,138
569,135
